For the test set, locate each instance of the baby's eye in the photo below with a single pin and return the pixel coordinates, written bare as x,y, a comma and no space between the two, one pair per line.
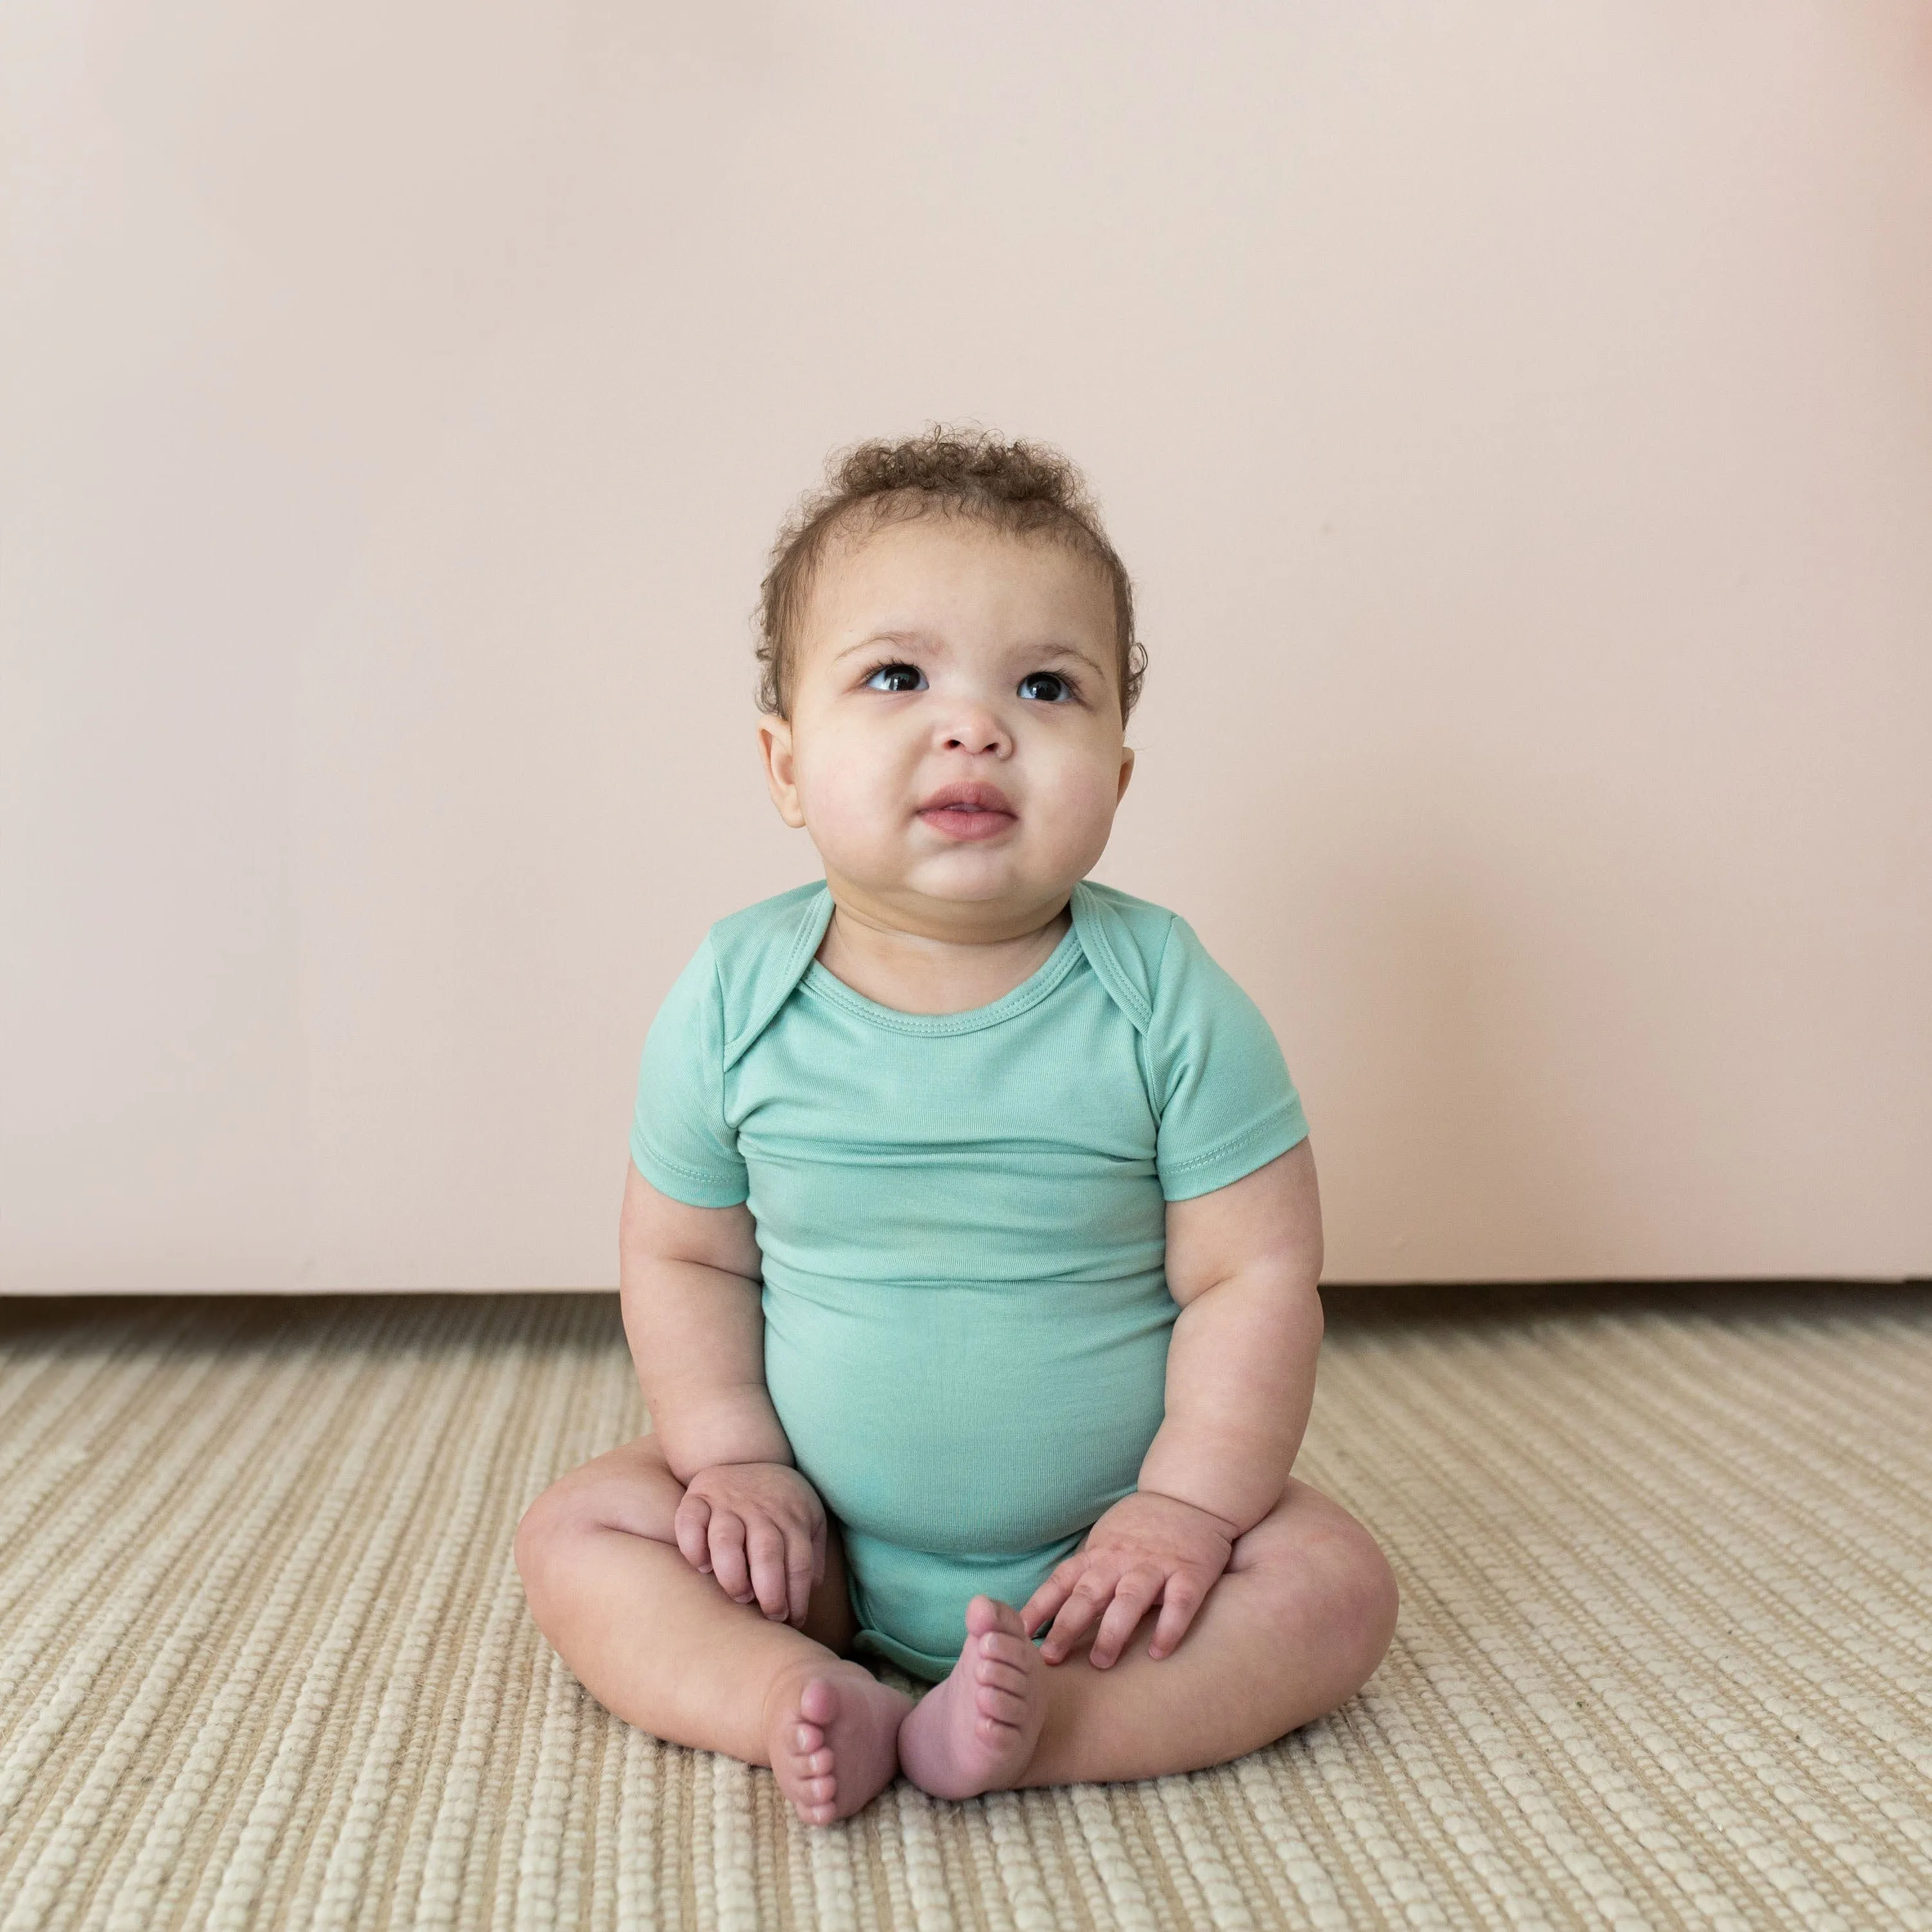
894,673
1058,687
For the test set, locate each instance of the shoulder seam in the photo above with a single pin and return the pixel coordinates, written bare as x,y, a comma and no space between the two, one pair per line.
1166,940
1104,956
718,1015
1157,1101
761,987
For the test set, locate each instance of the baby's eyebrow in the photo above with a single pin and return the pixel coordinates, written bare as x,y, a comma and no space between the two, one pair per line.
1063,651
873,639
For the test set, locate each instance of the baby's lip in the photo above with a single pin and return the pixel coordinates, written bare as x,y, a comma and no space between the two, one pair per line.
973,797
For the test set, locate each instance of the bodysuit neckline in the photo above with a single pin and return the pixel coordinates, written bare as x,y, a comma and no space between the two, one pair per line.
820,981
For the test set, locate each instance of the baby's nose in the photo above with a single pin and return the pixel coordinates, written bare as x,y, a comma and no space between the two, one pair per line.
980,731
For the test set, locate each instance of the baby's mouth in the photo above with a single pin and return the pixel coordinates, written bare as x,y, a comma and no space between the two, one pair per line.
968,809
969,822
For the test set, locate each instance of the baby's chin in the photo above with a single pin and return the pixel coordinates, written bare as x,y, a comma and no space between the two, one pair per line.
987,882
983,875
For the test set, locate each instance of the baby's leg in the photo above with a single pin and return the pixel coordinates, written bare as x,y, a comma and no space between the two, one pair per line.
1294,1627
667,1650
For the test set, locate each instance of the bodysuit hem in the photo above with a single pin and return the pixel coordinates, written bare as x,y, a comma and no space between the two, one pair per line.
913,1663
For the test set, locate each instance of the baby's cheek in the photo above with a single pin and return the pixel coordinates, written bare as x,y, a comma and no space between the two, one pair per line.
1077,811
848,812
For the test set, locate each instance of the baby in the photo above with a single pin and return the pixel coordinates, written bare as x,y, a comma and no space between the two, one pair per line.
970,1240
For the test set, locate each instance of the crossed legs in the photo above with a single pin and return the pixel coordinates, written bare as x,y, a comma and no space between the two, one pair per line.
1301,1618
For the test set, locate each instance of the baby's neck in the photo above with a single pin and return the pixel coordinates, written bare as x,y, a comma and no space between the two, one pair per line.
918,973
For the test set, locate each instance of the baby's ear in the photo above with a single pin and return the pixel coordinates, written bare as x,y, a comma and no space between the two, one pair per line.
775,752
1127,771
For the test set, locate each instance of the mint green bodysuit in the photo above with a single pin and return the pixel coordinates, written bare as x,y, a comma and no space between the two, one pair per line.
962,1220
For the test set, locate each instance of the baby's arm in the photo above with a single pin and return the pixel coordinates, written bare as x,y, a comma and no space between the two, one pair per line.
691,1291
1242,1262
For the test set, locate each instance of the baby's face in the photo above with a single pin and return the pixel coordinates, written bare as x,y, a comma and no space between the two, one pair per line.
956,746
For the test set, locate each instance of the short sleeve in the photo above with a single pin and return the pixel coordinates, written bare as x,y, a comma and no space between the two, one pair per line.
680,1140
1226,1104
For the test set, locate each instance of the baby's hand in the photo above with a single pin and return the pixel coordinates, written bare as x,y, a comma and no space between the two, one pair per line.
1147,1548
760,1527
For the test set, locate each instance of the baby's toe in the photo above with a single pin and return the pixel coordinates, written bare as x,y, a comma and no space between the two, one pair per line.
1016,1652
1006,1676
1002,1706
806,1738
818,1704
985,1615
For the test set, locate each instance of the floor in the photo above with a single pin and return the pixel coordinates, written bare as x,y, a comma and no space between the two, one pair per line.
1665,1656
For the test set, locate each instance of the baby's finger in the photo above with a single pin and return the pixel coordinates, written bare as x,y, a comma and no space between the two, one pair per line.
727,1555
688,1527
804,1566
764,1544
1183,1597
1137,1590
1079,1610
1051,1594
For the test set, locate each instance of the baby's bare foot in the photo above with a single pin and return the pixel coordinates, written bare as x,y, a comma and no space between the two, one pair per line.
976,1731
831,1735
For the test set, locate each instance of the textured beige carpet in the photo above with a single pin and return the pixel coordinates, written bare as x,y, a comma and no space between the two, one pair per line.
1665,1656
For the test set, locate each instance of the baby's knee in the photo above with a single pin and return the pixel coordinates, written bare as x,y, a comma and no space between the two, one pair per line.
1328,1579
1373,1598
548,1534
1359,1600
629,1489
543,1531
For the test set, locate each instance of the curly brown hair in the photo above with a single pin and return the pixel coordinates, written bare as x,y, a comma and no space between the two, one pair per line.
1019,488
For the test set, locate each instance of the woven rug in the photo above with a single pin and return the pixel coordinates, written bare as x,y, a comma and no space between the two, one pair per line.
1665,1656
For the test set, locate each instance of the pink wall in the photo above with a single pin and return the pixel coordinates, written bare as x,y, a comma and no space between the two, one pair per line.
1520,421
